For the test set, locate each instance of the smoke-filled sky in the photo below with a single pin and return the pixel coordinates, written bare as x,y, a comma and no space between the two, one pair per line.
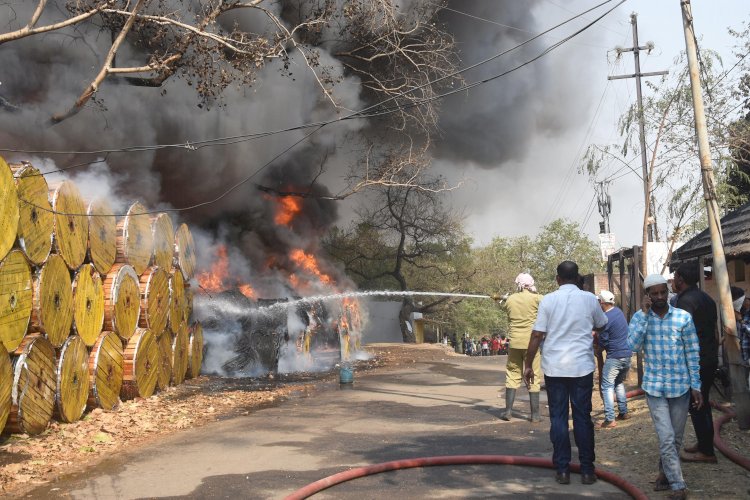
516,141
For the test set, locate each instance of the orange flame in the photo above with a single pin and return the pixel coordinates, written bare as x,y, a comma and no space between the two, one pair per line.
247,291
216,279
308,262
213,279
287,209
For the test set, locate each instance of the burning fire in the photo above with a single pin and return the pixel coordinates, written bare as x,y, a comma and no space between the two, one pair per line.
287,208
215,279
309,263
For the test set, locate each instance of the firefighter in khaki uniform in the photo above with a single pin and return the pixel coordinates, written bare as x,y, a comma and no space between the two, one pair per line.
521,308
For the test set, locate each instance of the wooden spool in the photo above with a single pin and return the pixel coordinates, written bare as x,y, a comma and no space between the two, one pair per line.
15,299
164,342
163,234
88,304
180,353
34,383
141,365
189,296
177,310
105,372
52,312
6,385
154,285
135,243
122,301
185,251
71,230
102,235
35,213
8,209
195,350
72,380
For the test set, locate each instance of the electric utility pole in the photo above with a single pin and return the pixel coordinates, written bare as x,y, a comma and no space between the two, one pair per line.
649,228
605,206
740,394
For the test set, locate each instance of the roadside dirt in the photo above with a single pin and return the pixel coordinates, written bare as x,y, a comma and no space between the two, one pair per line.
29,461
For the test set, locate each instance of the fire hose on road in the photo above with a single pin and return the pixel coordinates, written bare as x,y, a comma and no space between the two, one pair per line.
411,463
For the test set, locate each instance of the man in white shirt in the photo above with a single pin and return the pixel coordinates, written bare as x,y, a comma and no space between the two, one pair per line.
565,321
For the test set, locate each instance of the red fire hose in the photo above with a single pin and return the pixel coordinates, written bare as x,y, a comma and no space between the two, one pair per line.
609,477
728,452
411,463
732,455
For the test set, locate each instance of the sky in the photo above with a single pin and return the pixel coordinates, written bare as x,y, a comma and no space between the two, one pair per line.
541,183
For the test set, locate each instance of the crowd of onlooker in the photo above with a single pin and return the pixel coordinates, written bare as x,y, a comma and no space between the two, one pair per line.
492,345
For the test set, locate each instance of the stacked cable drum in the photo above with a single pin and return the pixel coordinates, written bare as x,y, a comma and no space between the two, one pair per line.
95,304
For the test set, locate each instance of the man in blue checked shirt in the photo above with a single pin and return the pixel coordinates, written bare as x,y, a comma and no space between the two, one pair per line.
671,375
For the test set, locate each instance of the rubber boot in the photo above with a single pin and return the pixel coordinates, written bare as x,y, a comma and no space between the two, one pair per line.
510,396
536,416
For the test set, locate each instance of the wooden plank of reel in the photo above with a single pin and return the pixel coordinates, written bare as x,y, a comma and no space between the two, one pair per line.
9,213
185,251
195,350
15,299
88,304
72,380
135,243
164,375
163,234
179,356
178,319
34,384
6,385
102,247
141,365
122,301
36,221
52,311
154,286
106,366
71,224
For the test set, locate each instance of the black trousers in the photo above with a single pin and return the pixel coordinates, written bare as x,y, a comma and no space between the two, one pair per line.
703,421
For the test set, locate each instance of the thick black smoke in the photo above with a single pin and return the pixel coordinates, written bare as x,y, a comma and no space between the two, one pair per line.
42,75
496,122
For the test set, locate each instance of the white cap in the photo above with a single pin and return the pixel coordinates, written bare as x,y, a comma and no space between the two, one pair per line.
654,279
607,297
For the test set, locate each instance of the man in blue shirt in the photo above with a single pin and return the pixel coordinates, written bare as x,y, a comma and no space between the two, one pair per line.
614,341
671,375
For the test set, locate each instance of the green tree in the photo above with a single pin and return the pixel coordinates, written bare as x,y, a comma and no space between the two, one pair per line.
500,261
405,238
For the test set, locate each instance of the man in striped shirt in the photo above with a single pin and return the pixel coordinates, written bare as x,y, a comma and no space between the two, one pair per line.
671,375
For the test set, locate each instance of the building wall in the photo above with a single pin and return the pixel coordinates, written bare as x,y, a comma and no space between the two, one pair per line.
739,275
382,322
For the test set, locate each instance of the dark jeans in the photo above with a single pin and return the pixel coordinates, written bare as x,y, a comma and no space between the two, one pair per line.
577,392
703,421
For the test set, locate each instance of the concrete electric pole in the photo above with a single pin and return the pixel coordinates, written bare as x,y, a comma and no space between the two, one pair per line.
605,206
740,394
649,227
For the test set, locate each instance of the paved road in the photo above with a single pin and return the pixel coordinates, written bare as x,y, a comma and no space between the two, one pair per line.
447,407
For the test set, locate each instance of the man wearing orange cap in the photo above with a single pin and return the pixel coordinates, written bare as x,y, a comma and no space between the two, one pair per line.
521,307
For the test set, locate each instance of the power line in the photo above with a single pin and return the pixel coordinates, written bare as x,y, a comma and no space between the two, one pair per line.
490,21
248,178
194,145
603,26
564,186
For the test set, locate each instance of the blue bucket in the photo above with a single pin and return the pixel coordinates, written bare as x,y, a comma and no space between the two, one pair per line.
346,375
